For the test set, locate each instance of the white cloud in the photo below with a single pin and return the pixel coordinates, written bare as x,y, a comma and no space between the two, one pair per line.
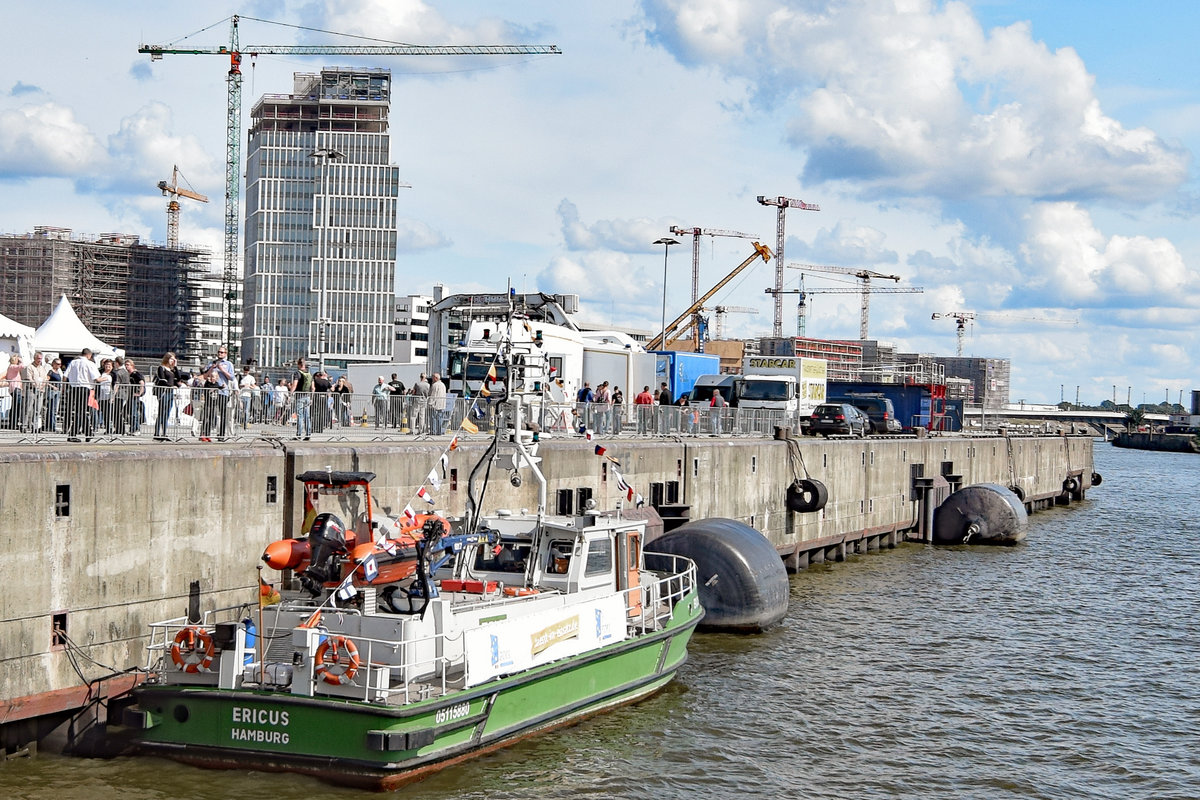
847,244
414,235
145,148
1074,260
623,235
910,98
44,140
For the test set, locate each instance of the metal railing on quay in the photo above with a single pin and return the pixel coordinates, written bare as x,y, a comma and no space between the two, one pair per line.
60,412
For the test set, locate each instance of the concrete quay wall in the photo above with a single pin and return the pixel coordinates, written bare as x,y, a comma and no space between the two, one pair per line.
105,541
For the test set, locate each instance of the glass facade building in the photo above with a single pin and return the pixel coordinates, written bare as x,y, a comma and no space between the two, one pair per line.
321,195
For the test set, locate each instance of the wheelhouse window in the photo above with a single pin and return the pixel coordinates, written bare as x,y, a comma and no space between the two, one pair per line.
599,557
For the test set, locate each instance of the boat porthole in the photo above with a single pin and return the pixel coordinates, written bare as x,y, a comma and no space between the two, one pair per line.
181,713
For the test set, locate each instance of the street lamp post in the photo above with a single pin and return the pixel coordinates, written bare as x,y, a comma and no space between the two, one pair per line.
666,242
323,155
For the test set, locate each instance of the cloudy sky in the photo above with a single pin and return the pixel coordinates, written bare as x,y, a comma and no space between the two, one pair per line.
1029,162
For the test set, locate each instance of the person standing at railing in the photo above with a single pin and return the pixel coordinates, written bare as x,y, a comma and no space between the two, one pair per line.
341,401
166,378
34,376
247,389
644,406
221,377
437,405
120,396
103,410
55,382
603,404
664,409
418,420
322,386
717,409
380,396
301,388
618,415
15,391
81,382
281,394
686,417
135,391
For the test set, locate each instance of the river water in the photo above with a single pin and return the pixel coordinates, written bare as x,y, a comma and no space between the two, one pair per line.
1067,667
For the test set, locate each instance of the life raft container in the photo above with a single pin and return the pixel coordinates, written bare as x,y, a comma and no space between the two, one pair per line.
192,651
334,652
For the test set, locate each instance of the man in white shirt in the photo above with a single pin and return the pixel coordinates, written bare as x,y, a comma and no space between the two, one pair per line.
81,377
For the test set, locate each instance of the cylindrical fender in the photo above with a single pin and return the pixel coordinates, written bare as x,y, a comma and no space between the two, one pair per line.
807,495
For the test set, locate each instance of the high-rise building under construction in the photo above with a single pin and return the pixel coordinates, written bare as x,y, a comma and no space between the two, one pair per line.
141,298
320,235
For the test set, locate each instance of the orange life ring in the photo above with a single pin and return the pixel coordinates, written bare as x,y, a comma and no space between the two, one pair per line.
518,591
192,650
337,651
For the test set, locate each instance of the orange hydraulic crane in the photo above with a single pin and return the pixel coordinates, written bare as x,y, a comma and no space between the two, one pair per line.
696,233
963,317
760,251
233,113
173,190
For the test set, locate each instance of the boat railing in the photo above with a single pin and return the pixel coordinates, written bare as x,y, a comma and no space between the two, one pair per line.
657,599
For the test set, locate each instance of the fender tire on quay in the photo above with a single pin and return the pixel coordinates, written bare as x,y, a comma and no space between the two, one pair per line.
1018,491
1071,485
807,495
1097,479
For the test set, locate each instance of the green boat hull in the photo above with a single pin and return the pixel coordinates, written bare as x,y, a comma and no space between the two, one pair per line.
375,745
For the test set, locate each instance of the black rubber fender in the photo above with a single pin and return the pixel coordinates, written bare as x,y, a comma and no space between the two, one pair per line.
1018,491
1097,479
1071,485
743,584
807,495
984,513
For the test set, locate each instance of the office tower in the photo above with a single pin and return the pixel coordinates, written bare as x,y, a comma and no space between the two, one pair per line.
320,252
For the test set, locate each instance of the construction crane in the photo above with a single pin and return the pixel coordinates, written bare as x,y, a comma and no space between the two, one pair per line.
696,233
864,276
233,115
802,308
963,317
721,311
760,251
782,204
173,190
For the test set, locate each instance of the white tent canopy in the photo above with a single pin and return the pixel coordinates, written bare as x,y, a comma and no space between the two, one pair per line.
65,334
16,338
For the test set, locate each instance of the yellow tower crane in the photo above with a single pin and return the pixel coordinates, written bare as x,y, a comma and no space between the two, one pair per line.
174,190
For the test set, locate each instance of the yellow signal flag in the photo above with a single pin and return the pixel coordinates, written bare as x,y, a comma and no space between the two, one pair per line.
470,427
268,595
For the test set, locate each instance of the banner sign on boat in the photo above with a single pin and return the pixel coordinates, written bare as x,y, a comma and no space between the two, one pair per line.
523,641
558,632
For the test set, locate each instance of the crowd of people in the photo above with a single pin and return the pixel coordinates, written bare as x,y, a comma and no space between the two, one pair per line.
112,397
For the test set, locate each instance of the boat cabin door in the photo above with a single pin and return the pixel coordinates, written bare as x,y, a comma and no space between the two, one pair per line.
629,574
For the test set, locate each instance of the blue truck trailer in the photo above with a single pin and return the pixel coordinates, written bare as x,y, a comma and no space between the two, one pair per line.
679,370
